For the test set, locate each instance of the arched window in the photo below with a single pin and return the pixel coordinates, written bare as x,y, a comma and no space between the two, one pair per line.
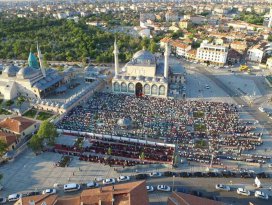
131,88
116,87
123,87
154,90
162,90
147,89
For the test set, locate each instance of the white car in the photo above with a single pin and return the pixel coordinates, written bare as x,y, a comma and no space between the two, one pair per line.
109,181
49,191
261,109
149,188
222,187
155,174
163,188
261,195
243,191
207,86
14,197
123,178
270,165
92,184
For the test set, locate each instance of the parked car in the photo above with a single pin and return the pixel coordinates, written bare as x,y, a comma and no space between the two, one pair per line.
155,174
109,181
141,176
3,200
32,193
49,191
149,188
243,191
261,195
92,184
222,187
14,197
163,188
261,109
123,178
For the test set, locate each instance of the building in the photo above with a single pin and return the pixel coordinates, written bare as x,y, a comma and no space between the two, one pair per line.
210,53
133,193
239,45
32,81
184,24
19,126
9,138
234,57
144,74
181,48
178,198
269,63
257,53
171,16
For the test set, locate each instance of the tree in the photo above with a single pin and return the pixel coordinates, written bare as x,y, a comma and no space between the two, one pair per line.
142,156
47,131
9,103
35,143
109,151
3,147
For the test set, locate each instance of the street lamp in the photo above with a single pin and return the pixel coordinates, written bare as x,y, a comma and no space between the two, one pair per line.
173,183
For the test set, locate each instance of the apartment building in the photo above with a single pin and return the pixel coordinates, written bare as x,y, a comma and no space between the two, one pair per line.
210,53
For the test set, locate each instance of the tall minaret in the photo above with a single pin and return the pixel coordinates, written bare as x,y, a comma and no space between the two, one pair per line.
166,59
40,60
270,17
116,53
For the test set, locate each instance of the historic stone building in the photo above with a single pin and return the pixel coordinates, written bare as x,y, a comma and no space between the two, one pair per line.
144,74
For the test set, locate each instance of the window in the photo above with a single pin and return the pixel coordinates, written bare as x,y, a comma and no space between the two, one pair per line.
147,89
123,87
131,88
116,87
154,90
162,90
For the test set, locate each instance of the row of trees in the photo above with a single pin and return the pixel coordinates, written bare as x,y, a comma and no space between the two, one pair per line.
251,17
65,40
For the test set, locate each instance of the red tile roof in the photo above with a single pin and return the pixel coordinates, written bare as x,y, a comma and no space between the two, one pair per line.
16,124
188,199
8,138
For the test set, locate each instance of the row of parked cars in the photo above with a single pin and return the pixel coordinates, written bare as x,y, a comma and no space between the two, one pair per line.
224,173
243,191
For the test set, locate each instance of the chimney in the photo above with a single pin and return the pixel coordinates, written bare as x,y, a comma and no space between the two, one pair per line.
100,202
112,187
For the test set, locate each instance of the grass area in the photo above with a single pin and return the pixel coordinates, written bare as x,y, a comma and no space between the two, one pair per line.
30,113
200,127
4,112
44,116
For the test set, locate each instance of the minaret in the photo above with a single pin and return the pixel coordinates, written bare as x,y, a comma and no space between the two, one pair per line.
270,17
116,53
166,59
40,60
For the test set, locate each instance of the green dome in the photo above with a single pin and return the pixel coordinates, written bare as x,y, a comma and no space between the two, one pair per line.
32,61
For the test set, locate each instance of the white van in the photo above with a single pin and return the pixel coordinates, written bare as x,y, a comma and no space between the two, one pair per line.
71,187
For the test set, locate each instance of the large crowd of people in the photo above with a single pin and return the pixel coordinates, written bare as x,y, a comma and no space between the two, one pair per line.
212,127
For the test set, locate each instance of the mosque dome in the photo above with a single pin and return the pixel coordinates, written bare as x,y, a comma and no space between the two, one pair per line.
144,56
11,70
27,72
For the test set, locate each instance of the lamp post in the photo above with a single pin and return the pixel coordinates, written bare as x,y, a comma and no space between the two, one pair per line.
173,183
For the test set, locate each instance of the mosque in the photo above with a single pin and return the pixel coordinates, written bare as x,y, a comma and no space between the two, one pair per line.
142,75
32,81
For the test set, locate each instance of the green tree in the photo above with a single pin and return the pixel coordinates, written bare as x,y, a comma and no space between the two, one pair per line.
109,151
142,156
35,143
3,147
20,100
9,103
48,131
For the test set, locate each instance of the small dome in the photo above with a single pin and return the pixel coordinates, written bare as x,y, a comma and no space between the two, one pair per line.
27,72
11,70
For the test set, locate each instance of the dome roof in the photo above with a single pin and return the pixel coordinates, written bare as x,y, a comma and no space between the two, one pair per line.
144,56
27,72
124,122
11,70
